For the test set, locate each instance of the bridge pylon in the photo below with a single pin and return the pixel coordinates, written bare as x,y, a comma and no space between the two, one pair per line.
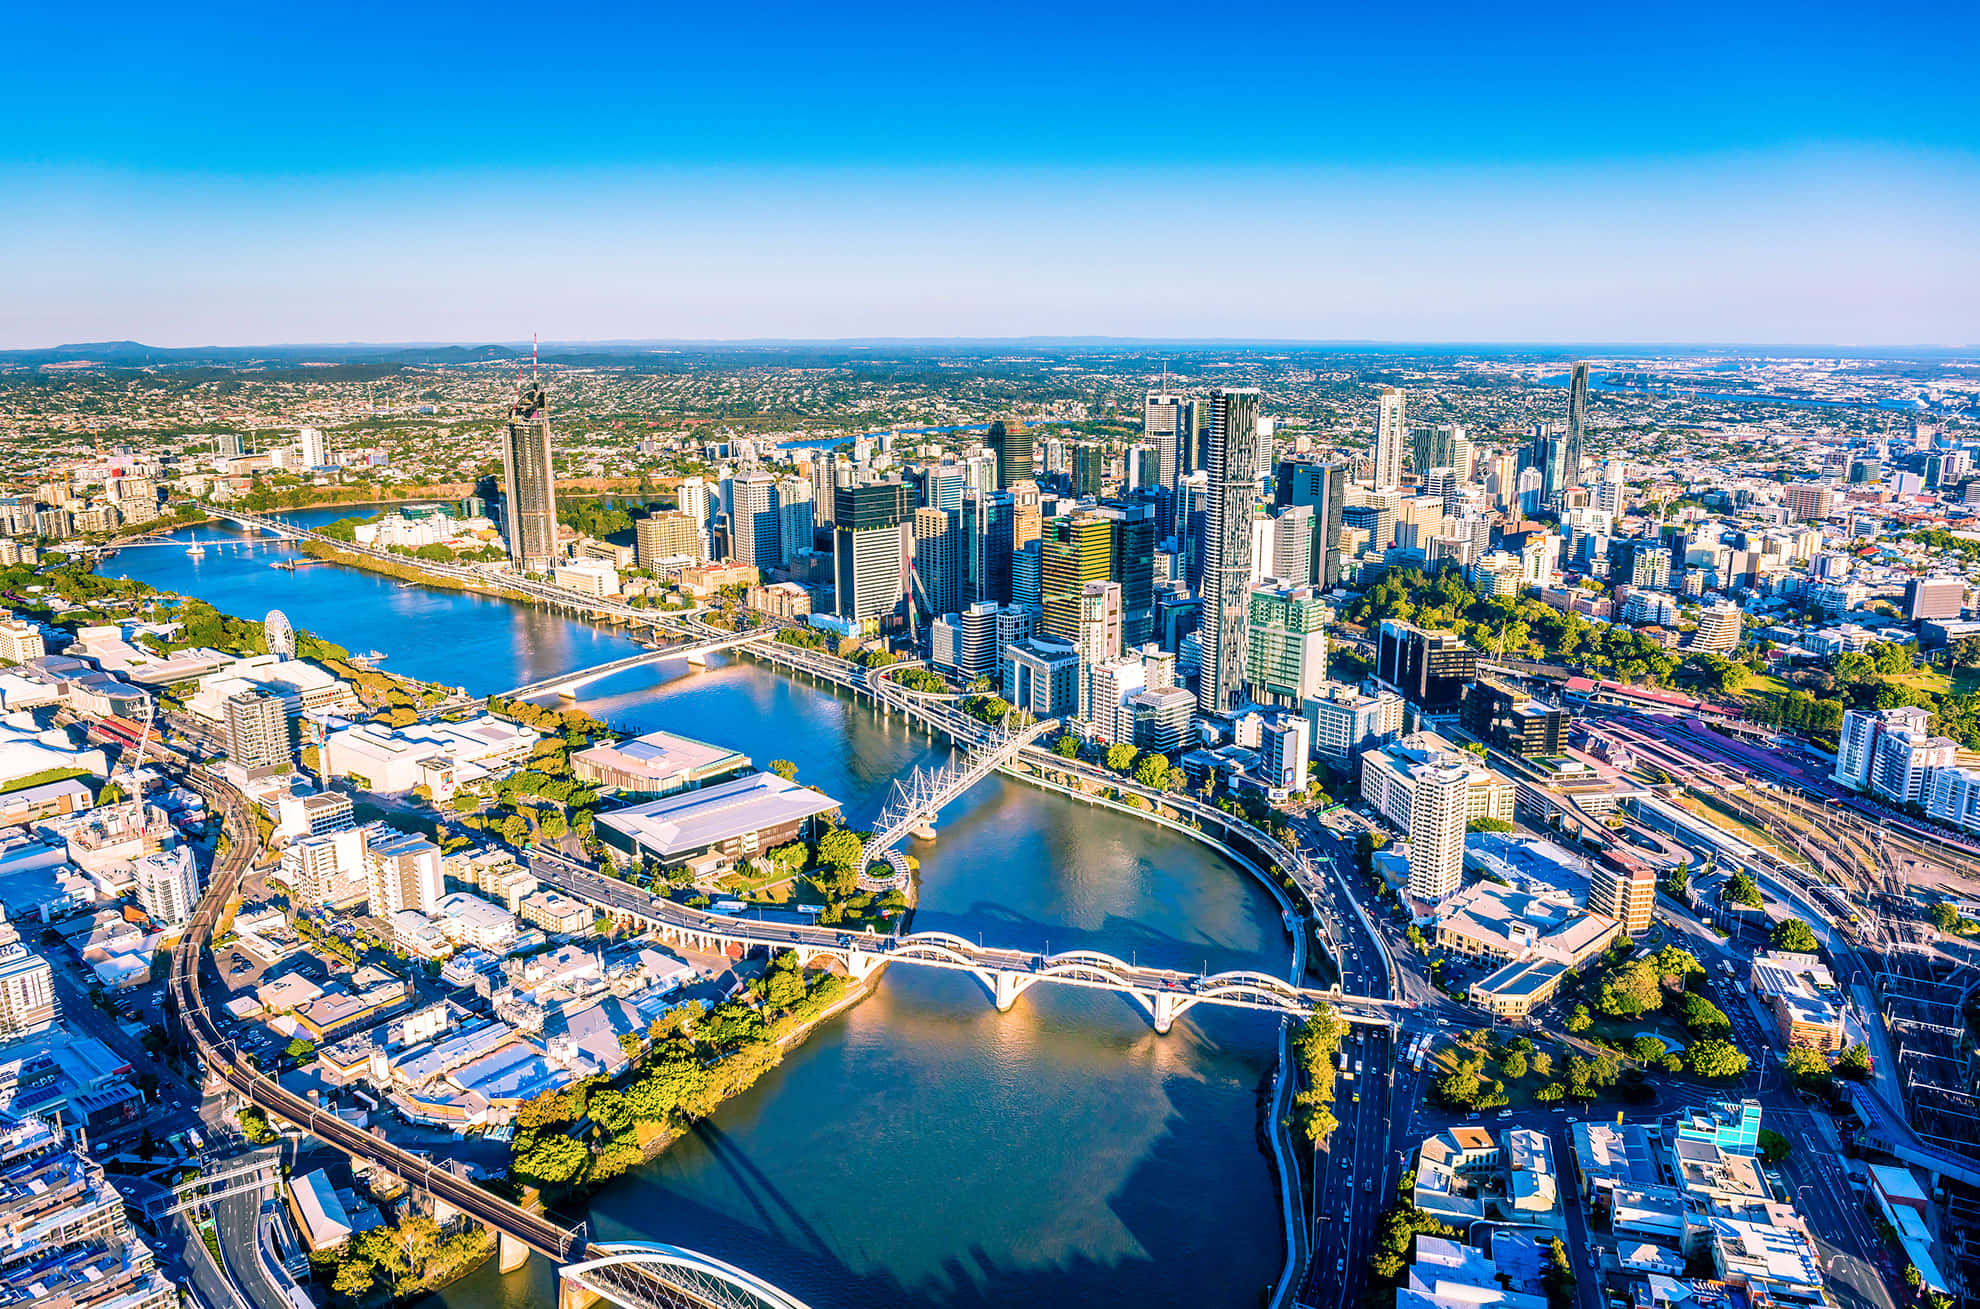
510,1254
1006,987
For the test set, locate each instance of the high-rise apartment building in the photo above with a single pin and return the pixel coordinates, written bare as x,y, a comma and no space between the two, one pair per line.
529,486
1718,628
402,871
1891,752
1577,421
1226,587
1099,634
871,548
1437,824
1014,453
27,992
1347,722
311,451
938,559
1286,645
794,518
1391,436
167,884
318,869
1934,597
667,536
756,531
1166,423
259,739
965,644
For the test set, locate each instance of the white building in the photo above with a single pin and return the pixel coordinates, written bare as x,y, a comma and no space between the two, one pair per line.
303,687
1346,722
27,992
593,577
402,871
1431,790
440,756
325,869
168,885
1890,753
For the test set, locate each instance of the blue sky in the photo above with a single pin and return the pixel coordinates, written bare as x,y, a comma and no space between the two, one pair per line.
271,173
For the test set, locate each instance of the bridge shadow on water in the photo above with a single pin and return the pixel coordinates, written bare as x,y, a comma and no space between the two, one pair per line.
1212,1243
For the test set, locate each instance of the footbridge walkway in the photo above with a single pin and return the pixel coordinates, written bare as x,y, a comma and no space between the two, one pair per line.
921,795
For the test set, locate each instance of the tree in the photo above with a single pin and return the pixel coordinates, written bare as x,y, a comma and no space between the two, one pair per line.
1810,1071
1677,963
1551,1093
1794,936
839,848
1513,1066
1541,1063
554,1160
1634,989
300,1050
1152,770
1120,756
1646,1048
1773,1146
1716,1059
1740,888
354,1278
1067,746
1557,1278
1702,1018
1580,1020
1488,825
1853,1062
784,768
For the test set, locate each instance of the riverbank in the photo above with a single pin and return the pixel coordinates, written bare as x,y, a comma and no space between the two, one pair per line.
409,571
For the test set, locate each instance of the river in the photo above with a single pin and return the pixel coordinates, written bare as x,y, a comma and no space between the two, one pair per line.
921,1148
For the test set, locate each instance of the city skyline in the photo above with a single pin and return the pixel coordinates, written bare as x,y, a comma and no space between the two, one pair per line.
1555,175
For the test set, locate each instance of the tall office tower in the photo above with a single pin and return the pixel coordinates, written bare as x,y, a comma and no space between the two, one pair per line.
1809,501
227,444
870,549
1390,438
938,559
1577,421
1013,451
402,871
1440,484
1192,518
988,522
167,884
311,451
1376,515
258,737
1028,576
1324,487
1027,513
1233,484
1075,550
942,486
1439,810
27,992
824,487
756,531
666,536
965,644
1169,423
1131,562
529,487
1610,491
1286,645
1089,469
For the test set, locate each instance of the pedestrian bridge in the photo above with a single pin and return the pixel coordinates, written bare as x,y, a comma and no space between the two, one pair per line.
922,794
648,1275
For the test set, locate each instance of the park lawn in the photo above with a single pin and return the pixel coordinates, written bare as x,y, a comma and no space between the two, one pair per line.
1930,678
1519,1094
1765,684
1965,681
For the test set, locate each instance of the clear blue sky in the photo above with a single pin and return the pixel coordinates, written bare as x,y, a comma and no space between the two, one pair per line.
233,175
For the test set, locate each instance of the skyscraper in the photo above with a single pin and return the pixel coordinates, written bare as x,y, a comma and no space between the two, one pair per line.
1131,562
1577,419
1076,551
988,525
1089,468
938,557
1013,451
1390,437
1286,649
529,487
756,532
1227,546
1169,423
1324,486
870,549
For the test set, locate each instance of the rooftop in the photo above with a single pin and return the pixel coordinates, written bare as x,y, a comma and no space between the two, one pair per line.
682,824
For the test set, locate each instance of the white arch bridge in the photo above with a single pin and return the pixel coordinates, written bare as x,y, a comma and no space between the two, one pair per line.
1164,993
648,1275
